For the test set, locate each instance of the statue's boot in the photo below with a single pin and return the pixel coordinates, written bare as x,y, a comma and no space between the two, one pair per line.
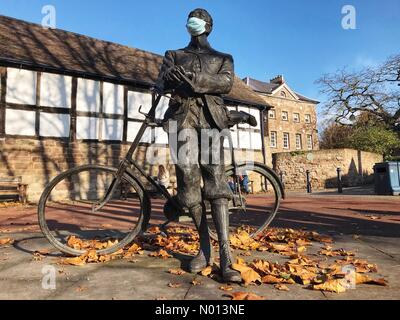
203,259
220,212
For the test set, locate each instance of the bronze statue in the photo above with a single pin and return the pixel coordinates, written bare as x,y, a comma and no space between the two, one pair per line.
196,77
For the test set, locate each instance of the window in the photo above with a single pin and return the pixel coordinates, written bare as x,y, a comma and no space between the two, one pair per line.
283,94
88,95
296,117
271,114
307,118
55,90
309,142
21,86
298,141
273,139
285,116
286,142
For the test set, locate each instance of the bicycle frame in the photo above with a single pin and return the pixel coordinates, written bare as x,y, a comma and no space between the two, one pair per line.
126,164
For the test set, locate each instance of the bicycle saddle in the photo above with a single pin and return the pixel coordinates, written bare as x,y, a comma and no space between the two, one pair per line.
236,117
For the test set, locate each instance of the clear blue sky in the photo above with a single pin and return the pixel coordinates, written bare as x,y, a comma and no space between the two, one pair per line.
299,39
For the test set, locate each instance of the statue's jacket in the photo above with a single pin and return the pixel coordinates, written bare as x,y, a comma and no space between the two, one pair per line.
213,76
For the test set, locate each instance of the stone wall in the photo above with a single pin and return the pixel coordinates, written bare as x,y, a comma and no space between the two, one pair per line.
357,167
39,161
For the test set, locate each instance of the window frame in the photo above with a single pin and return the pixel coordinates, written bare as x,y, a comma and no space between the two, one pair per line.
299,139
273,112
275,134
286,134
287,116
298,117
307,118
310,142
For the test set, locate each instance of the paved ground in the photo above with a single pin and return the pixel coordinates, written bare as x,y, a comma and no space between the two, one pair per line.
368,225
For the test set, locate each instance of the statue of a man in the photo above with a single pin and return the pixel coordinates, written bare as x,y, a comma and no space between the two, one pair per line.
196,77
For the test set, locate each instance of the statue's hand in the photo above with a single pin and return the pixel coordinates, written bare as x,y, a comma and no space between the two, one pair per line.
172,75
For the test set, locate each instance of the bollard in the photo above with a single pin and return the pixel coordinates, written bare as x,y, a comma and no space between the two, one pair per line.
281,174
339,180
309,190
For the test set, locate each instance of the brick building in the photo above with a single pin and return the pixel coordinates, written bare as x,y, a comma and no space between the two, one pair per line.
291,125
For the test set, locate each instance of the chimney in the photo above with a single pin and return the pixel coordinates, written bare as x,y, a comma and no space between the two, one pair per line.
278,79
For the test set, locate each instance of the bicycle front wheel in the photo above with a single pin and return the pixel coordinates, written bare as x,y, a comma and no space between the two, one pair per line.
67,219
258,193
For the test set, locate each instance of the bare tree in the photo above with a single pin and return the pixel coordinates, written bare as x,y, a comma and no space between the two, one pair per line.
372,90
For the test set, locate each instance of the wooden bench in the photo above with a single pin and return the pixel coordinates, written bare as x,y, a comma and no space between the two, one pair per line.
12,189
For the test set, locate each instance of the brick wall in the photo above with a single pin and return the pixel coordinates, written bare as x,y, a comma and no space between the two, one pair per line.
39,161
357,167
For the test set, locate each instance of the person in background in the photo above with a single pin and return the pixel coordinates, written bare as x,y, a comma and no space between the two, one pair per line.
244,182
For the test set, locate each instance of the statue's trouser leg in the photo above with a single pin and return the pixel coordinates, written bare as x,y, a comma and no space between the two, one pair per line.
220,213
203,259
218,192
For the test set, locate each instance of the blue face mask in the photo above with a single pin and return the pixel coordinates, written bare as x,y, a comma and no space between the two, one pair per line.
196,26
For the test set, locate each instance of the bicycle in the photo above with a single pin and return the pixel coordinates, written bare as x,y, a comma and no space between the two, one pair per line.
84,191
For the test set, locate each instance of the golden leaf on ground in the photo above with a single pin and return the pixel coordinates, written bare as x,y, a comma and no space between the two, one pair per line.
331,286
91,256
74,243
43,252
195,282
135,248
6,241
81,289
206,271
176,271
301,249
270,279
76,261
161,254
365,279
247,273
303,242
37,256
242,240
244,296
261,266
174,285
226,288
281,287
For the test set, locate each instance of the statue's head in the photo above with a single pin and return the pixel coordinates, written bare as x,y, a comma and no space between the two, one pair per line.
199,22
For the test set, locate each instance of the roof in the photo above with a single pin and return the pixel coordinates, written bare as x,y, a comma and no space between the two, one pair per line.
31,45
269,88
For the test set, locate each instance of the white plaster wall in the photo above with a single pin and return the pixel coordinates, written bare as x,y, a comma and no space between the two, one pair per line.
161,137
135,100
21,86
113,98
133,128
88,95
256,113
256,142
112,129
162,107
54,125
244,139
55,90
19,122
87,128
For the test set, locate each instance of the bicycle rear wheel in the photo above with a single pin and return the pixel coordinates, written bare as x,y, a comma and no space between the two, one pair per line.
67,220
261,194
